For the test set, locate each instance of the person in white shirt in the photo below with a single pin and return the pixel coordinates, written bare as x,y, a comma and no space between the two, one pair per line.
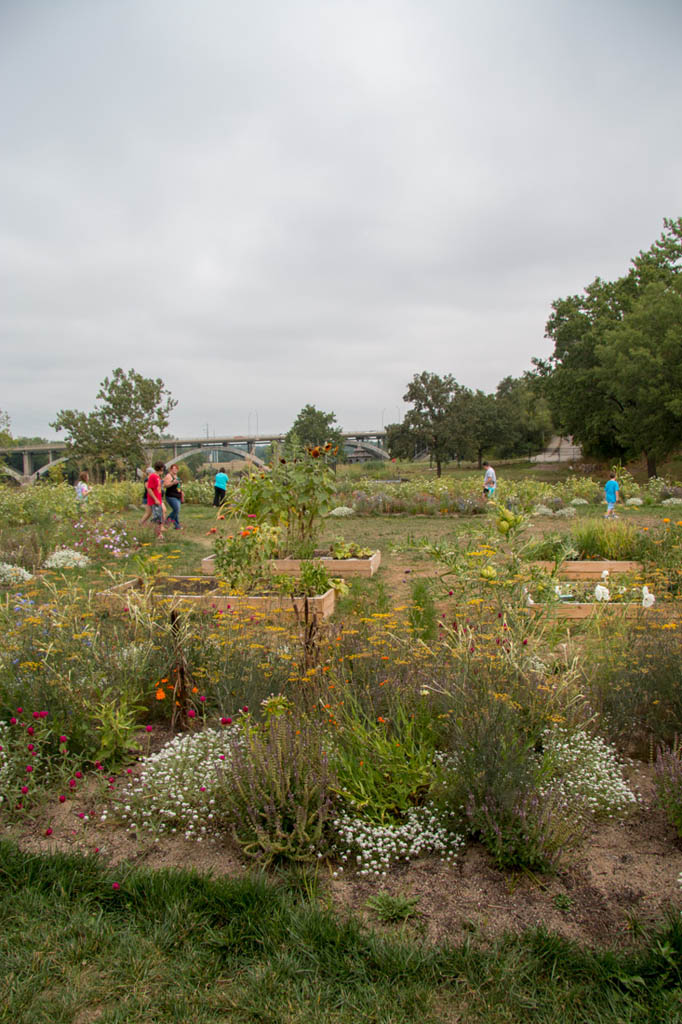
489,481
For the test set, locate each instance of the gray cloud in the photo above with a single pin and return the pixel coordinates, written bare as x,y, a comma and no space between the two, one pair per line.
289,202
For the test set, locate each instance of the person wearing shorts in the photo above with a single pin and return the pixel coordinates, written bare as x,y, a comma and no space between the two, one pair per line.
154,498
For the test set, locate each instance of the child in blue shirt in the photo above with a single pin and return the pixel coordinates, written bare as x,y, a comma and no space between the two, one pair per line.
611,493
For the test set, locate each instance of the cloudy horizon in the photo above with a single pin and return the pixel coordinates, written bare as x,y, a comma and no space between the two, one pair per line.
276,204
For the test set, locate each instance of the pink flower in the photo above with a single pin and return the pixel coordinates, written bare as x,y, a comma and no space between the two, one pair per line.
24,789
29,767
42,714
19,711
72,783
30,730
36,714
221,757
191,713
148,728
48,831
202,789
31,747
12,721
79,775
62,739
115,885
226,721
245,710
81,814
62,798
129,771
202,699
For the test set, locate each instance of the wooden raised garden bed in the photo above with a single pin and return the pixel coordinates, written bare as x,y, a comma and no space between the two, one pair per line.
344,567
192,592
590,570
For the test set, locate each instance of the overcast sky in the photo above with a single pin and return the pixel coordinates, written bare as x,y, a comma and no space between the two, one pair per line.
274,202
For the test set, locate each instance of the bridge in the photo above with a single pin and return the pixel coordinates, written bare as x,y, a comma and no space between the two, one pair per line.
359,444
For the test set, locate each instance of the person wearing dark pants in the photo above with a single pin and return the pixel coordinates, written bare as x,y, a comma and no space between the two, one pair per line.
220,487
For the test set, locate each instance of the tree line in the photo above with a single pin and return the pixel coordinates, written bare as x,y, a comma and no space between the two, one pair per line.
613,381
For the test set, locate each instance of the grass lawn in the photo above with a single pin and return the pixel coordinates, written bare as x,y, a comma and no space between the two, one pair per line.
84,943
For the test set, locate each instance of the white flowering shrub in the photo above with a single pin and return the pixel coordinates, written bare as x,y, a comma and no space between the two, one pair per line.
579,501
587,770
634,502
373,848
566,513
672,501
176,789
11,575
342,511
66,558
542,510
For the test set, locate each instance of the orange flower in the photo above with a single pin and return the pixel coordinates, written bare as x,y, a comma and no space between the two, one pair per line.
214,529
221,517
160,694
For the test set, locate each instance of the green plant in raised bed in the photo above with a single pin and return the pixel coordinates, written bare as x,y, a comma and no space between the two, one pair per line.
294,496
341,548
242,559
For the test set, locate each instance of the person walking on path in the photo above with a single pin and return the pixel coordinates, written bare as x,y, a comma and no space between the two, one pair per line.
612,495
147,507
173,489
220,487
489,481
154,498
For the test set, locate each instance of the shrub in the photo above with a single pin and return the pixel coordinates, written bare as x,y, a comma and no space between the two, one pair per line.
176,788
66,558
373,848
586,771
668,781
276,792
12,575
383,761
634,686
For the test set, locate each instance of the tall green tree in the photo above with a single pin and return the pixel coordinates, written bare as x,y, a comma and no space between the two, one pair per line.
523,417
314,427
5,430
430,424
640,363
132,413
592,335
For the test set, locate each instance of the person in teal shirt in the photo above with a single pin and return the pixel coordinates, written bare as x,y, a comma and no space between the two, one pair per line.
220,487
612,495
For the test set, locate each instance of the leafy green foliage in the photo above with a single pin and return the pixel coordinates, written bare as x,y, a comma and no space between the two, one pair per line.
312,427
668,780
613,378
383,761
294,496
277,791
132,414
390,909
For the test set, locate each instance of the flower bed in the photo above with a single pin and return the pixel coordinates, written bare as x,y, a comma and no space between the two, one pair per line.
184,591
343,567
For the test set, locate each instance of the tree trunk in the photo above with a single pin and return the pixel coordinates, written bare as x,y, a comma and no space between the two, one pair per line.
480,458
650,465
438,467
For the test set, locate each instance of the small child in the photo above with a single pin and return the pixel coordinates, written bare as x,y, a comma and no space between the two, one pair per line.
83,486
611,492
